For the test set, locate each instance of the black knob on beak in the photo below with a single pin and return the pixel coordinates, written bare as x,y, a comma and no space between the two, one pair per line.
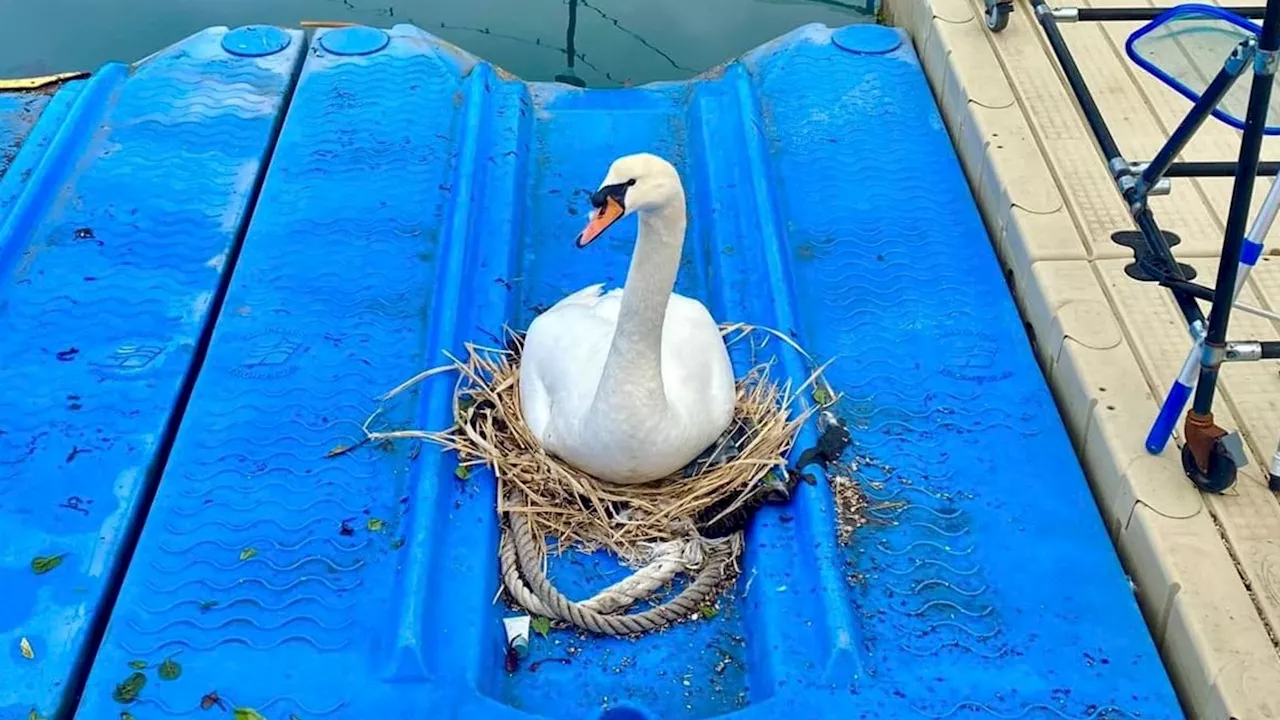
617,191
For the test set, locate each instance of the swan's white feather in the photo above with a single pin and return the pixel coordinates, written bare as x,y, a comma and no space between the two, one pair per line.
563,359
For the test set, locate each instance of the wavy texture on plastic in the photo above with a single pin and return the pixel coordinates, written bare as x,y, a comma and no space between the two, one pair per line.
419,198
121,198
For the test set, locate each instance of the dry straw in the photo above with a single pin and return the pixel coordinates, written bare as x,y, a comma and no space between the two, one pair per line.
580,512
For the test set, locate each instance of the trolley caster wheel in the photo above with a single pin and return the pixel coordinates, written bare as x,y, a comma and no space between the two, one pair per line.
997,15
1222,469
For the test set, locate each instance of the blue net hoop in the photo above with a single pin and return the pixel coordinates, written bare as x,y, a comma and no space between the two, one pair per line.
1185,47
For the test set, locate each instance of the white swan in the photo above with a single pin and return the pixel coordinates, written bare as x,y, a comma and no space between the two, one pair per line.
629,385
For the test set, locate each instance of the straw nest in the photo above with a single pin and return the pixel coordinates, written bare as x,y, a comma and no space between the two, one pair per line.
711,496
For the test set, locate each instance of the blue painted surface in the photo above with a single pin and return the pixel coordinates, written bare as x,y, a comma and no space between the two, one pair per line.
18,114
989,585
21,149
120,211
418,199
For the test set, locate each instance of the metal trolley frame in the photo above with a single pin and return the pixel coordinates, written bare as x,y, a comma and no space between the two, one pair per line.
1211,456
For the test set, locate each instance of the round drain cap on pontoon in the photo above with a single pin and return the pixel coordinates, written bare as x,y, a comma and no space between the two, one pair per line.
256,41
354,40
867,39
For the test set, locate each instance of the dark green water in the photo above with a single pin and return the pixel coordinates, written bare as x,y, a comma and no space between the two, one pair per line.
616,41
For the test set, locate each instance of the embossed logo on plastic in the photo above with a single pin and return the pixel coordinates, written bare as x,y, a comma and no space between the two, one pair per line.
972,357
270,355
129,359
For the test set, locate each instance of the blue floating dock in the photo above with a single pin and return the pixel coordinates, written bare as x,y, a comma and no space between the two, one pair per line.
121,212
215,261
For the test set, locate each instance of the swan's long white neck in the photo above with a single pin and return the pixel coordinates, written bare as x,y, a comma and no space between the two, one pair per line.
632,379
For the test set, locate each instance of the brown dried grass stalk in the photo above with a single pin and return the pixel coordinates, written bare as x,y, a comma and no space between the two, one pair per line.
584,513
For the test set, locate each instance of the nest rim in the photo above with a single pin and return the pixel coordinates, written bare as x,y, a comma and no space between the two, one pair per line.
575,510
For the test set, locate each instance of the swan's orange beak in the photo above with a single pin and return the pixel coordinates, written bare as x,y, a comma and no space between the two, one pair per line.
608,214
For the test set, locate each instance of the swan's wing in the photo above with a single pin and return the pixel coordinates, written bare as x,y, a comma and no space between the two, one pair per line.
587,297
576,313
695,362
564,353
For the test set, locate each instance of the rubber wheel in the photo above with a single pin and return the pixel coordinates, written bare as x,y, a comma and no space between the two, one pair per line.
1222,469
997,17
